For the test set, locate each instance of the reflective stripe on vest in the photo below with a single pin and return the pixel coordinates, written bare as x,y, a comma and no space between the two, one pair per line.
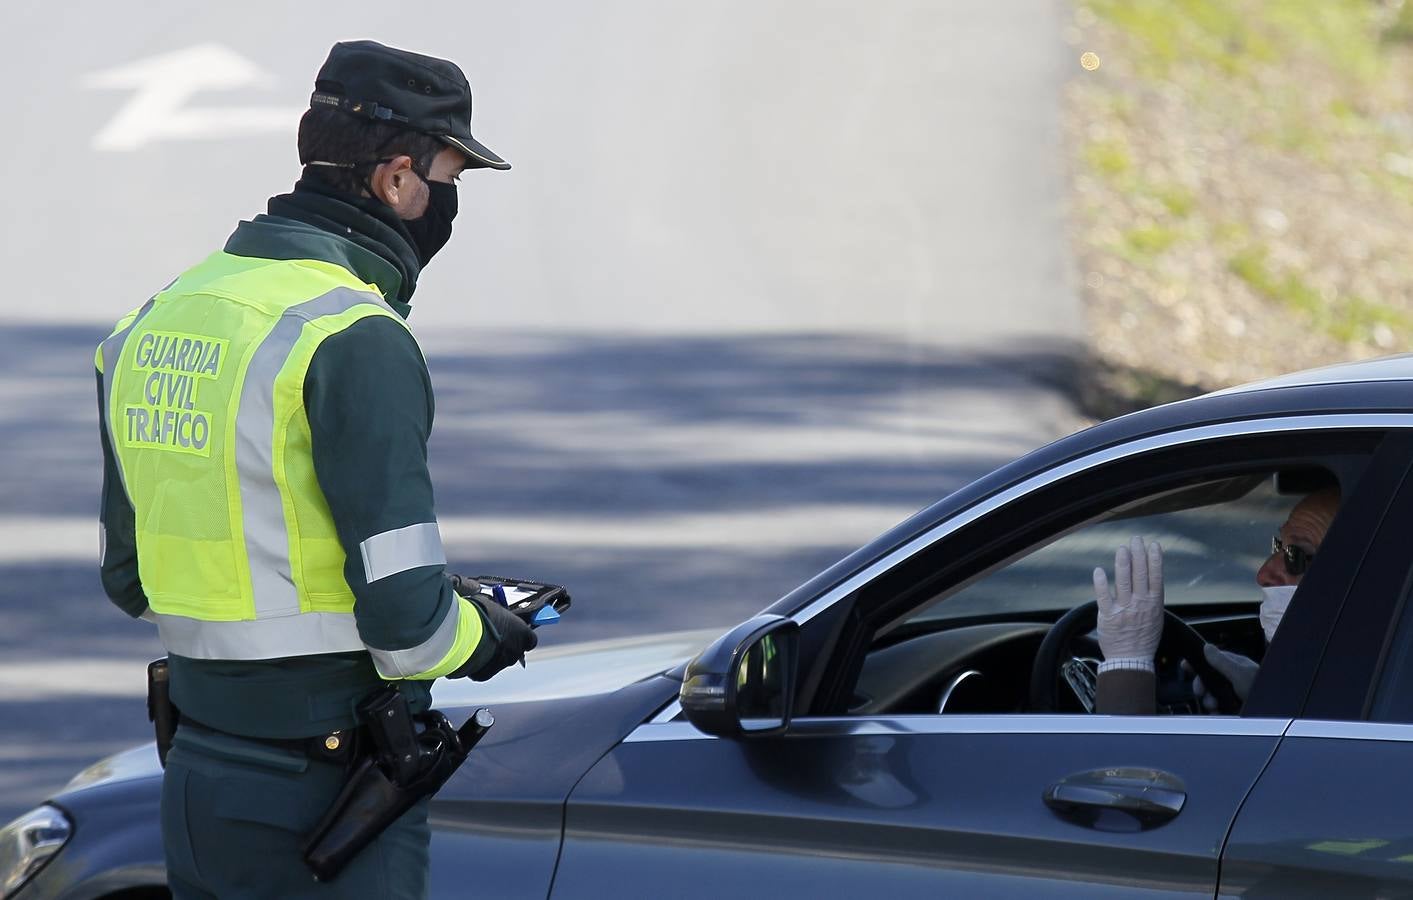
107,358
259,638
237,549
285,636
266,537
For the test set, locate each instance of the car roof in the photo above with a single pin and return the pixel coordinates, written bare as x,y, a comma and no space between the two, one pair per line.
1369,386
1384,368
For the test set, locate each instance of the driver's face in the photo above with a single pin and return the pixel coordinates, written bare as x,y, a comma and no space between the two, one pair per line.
1304,528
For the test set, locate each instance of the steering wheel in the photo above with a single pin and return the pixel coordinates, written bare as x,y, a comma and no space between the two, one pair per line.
1179,639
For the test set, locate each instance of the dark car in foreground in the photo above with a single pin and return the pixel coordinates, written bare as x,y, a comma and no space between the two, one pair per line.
914,721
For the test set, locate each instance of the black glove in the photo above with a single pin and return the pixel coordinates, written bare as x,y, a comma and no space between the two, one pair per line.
509,637
512,637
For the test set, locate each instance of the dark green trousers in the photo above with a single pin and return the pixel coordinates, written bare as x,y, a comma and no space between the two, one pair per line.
234,813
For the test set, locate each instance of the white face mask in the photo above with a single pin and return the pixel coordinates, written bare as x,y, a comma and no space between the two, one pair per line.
1274,601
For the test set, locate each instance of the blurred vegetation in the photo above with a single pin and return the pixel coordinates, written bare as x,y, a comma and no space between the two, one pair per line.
1231,37
1243,185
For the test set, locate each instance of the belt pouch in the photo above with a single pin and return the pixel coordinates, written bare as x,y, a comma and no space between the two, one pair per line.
160,711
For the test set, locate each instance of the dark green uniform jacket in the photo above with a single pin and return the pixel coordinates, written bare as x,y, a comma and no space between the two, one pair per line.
369,402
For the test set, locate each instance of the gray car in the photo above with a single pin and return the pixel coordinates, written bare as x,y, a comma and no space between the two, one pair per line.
915,721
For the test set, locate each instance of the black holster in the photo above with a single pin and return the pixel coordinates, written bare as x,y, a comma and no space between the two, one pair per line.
374,796
160,711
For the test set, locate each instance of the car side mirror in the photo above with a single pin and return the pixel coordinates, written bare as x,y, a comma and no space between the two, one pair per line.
743,685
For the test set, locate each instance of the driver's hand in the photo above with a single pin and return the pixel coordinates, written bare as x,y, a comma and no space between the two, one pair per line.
1131,614
1237,669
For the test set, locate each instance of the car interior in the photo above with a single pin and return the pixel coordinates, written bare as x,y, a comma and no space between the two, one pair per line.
965,640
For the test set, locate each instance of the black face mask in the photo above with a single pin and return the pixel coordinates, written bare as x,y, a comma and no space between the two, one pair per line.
431,230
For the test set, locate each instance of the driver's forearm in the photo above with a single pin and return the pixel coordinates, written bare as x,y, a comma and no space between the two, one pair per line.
1126,692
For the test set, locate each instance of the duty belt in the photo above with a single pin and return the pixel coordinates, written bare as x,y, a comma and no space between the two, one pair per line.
341,747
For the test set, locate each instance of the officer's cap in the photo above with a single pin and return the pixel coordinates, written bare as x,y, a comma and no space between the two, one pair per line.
422,93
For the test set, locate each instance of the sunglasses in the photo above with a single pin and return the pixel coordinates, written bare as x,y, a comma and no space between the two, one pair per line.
1297,559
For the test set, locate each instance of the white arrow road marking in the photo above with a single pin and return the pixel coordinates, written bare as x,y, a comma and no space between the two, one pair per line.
163,84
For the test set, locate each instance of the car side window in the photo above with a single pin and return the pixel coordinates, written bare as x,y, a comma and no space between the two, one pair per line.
971,646
1215,537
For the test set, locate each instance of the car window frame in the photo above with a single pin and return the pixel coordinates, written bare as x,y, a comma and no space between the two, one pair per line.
845,657
1374,617
1325,664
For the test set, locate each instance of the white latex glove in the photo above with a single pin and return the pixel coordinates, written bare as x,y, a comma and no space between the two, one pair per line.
1239,670
1131,616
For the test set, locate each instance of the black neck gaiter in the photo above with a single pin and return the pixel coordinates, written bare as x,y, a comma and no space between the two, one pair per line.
367,222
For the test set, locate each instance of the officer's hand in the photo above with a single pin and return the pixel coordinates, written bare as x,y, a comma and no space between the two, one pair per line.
1131,615
512,637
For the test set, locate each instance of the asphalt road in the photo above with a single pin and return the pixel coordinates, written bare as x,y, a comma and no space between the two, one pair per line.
766,277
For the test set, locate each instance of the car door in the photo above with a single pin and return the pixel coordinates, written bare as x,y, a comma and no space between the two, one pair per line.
916,805
1329,816
902,808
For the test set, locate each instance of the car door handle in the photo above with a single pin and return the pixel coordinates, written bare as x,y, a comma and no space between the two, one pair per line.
1119,799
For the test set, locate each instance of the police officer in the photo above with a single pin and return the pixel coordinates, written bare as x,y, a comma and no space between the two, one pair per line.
266,500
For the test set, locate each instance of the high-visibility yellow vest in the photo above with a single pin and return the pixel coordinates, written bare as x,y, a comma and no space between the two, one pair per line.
203,395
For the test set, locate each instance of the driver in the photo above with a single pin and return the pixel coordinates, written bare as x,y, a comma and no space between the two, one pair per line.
1131,615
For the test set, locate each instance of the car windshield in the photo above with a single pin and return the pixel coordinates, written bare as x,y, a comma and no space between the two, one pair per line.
1215,535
